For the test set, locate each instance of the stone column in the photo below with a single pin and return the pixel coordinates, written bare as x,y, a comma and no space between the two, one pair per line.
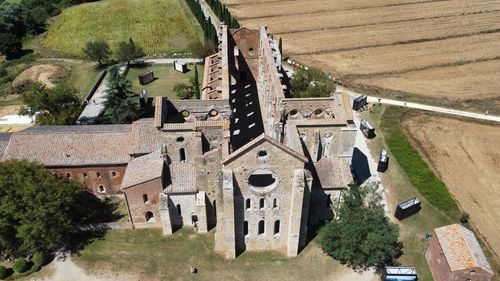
166,220
296,213
201,211
229,228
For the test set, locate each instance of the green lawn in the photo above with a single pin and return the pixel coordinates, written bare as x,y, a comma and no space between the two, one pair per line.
159,26
82,76
400,187
146,255
166,76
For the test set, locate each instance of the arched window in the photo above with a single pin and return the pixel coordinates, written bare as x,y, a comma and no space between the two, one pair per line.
248,204
276,203
149,216
101,189
179,209
68,175
245,228
113,173
182,155
261,203
261,227
85,175
277,227
98,174
145,198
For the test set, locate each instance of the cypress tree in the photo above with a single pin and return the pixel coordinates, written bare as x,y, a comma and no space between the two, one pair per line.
280,46
196,84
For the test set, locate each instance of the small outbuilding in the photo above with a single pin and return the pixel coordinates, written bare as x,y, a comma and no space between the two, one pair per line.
359,102
180,66
367,128
146,77
408,208
400,273
455,254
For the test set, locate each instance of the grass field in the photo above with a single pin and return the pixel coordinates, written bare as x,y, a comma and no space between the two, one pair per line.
145,255
399,188
159,26
166,76
443,51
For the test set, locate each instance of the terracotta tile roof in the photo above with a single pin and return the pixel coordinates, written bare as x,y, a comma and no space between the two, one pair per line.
72,145
461,248
334,172
145,136
4,140
143,169
183,176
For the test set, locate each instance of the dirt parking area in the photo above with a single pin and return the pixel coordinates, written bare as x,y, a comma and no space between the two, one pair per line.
466,156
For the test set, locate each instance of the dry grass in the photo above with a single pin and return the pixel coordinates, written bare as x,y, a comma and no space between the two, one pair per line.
386,43
144,254
465,156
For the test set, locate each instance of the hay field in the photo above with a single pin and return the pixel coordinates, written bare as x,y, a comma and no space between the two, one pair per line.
439,50
466,157
159,26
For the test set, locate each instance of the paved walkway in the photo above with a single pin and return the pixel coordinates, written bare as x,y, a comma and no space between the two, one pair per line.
171,61
420,106
96,104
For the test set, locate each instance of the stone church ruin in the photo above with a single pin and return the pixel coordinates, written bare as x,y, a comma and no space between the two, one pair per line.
260,167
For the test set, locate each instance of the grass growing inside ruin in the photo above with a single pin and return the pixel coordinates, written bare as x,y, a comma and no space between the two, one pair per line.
144,254
418,171
166,76
159,26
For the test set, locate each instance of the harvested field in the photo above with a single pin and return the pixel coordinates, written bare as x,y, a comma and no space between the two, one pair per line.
466,157
44,73
381,42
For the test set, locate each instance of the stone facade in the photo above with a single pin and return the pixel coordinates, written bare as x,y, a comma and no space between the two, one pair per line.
260,167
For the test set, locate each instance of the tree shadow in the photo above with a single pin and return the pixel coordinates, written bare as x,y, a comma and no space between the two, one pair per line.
93,214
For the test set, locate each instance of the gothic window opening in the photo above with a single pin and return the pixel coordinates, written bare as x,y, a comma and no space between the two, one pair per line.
145,198
149,216
276,203
182,155
245,228
261,203
179,211
277,225
248,204
261,227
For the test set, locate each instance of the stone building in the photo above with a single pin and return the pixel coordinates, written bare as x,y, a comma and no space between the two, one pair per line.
454,254
260,167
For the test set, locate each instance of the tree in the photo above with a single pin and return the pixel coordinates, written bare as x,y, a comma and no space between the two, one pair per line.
39,212
361,236
128,51
120,104
98,50
56,106
184,91
11,19
311,83
10,45
202,50
280,46
196,84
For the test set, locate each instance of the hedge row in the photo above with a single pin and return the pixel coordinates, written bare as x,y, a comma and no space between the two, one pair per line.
206,23
223,13
418,171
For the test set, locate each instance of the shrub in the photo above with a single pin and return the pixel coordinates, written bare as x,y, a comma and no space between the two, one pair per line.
35,268
20,265
39,258
3,272
464,218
